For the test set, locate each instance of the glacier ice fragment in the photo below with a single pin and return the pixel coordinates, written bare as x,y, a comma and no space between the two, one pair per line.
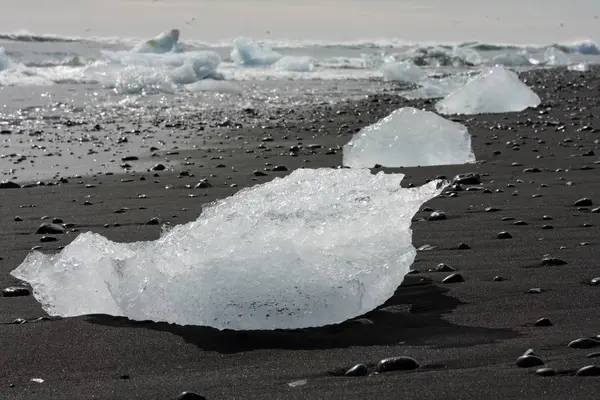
404,71
409,137
495,91
317,247
249,53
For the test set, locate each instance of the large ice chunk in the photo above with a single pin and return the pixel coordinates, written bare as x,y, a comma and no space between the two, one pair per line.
556,57
409,137
5,62
317,247
432,88
495,91
295,64
164,43
249,53
404,71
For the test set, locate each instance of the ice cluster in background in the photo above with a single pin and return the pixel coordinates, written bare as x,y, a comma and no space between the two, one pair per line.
317,247
249,53
409,137
495,91
5,62
405,71
166,42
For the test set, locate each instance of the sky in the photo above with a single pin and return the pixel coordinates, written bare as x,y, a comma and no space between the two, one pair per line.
506,21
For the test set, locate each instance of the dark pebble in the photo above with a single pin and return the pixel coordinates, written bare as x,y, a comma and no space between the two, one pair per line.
154,221
159,167
492,209
584,343
18,219
498,279
552,261
589,370
535,291
259,173
532,170
507,219
50,229
547,218
202,185
519,223
47,239
595,281
279,168
453,278
9,185
545,372
15,291
584,202
444,268
467,179
130,158
190,396
504,235
397,364
437,216
528,361
593,355
546,227
463,246
357,370
543,322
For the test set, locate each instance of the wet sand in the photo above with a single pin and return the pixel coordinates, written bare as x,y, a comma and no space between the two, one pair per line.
466,336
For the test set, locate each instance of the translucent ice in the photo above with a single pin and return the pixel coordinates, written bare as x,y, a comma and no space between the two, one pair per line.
164,43
249,53
581,67
518,59
317,247
295,64
556,57
5,62
198,66
432,88
404,71
495,91
409,137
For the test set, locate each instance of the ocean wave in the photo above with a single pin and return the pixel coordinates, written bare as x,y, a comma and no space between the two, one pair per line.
583,46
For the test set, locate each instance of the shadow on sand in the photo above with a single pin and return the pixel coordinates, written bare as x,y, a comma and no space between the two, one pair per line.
413,316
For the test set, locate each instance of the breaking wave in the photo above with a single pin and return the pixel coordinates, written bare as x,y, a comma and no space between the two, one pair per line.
582,46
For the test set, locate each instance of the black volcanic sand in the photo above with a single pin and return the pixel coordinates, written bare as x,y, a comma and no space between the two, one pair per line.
466,336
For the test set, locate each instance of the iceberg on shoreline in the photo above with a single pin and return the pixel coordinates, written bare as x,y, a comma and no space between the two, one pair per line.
317,247
409,137
495,91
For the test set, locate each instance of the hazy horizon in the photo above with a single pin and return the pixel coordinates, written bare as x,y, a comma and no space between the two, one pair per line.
512,21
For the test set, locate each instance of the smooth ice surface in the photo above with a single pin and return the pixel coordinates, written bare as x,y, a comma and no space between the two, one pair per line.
581,67
164,43
404,71
295,64
317,247
495,91
409,137
5,62
556,57
249,53
432,88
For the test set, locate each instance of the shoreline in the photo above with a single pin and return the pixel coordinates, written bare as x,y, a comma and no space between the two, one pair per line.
466,336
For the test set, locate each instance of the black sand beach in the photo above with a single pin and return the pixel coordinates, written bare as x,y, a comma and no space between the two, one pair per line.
466,336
